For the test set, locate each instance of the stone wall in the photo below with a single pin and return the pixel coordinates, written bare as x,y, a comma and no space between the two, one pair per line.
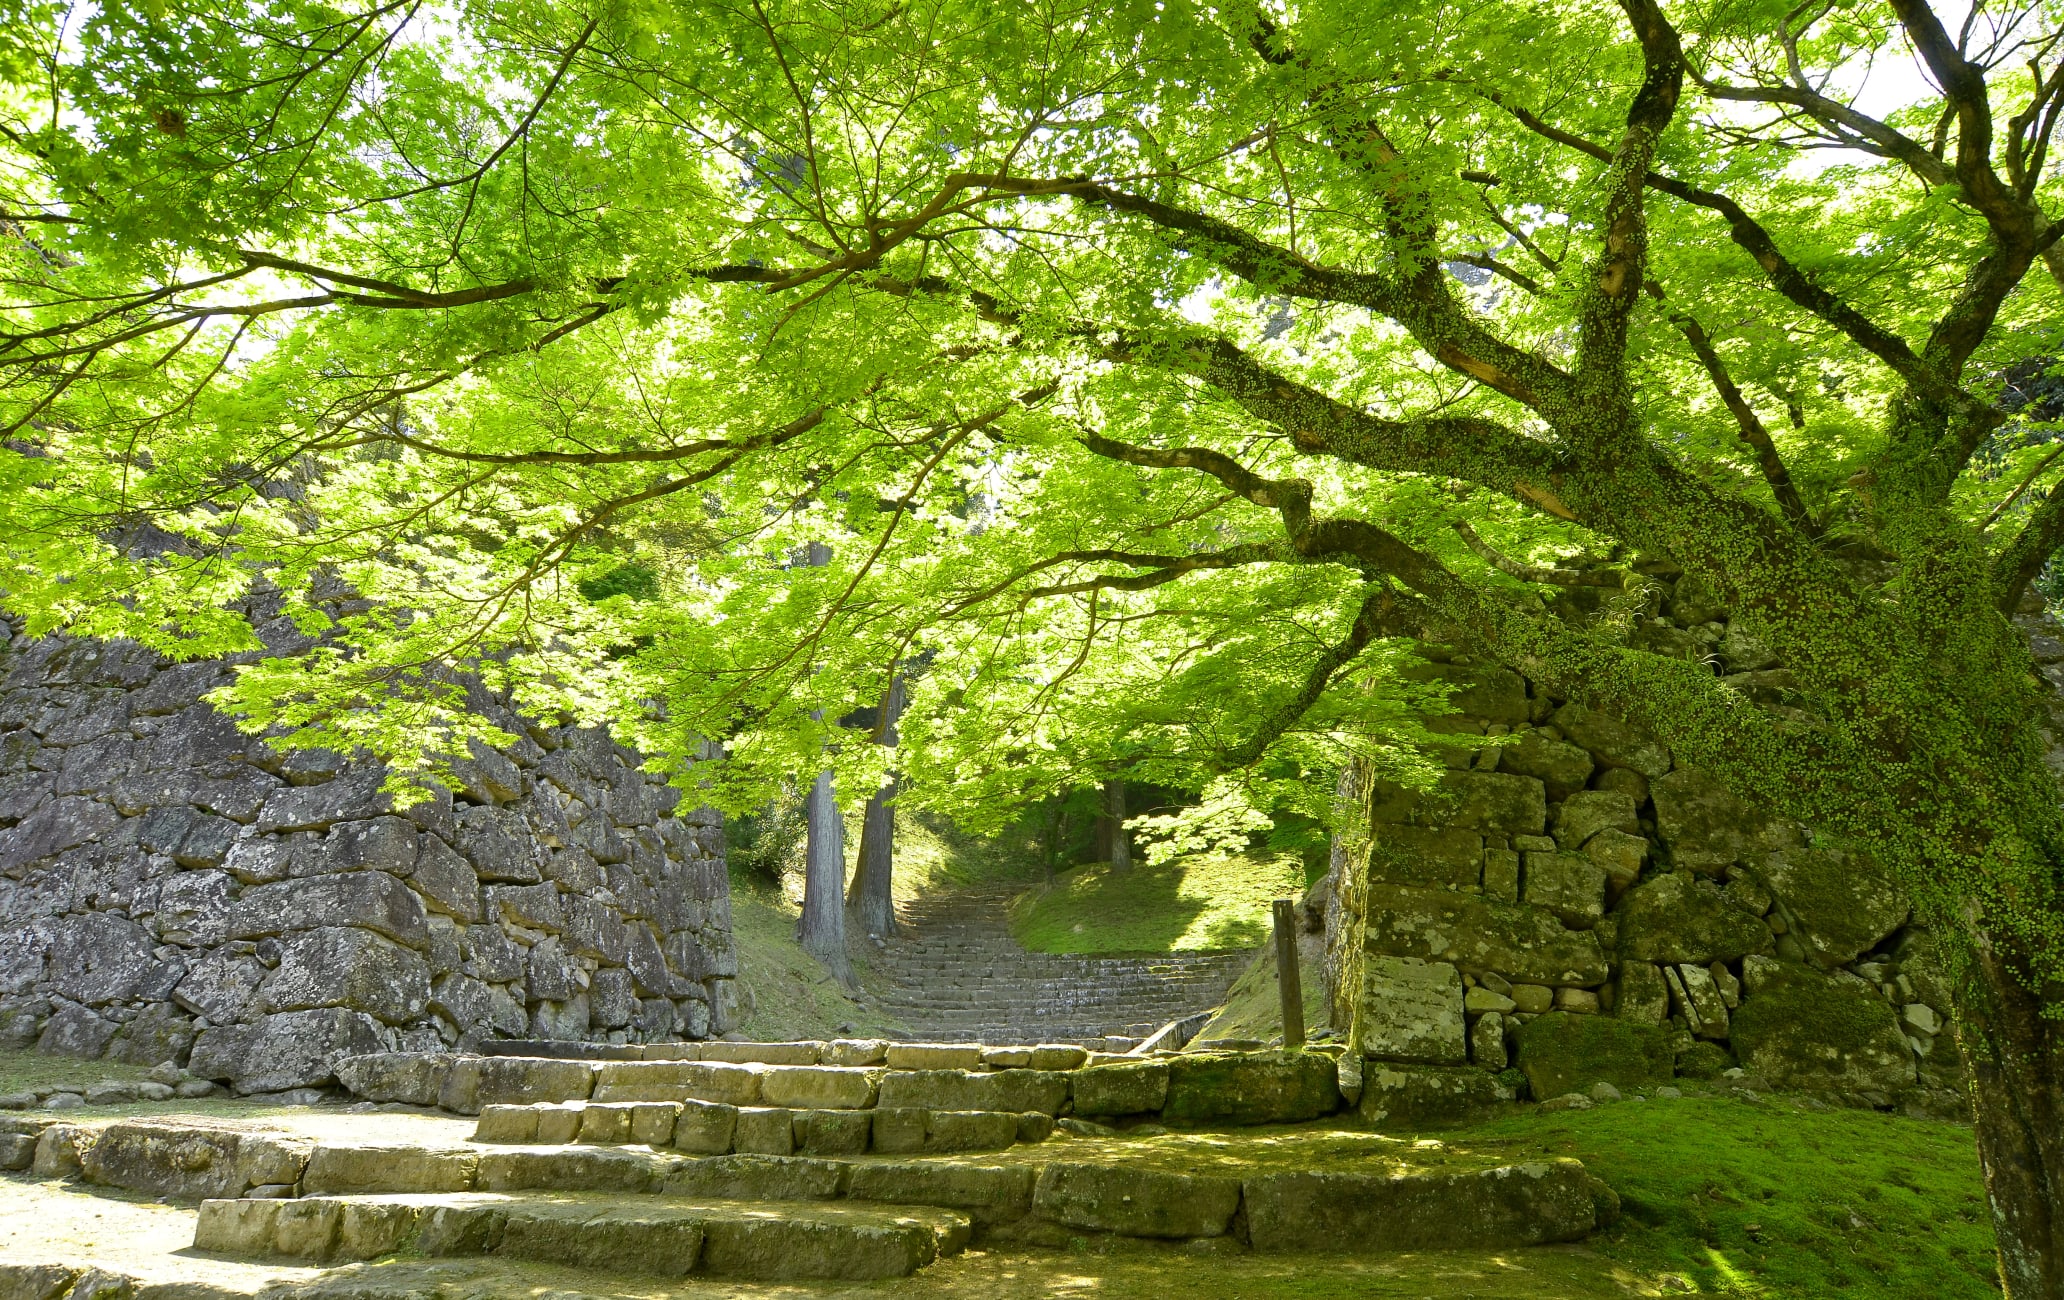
174,890
1573,902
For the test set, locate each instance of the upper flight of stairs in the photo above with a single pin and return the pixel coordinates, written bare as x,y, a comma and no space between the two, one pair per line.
956,974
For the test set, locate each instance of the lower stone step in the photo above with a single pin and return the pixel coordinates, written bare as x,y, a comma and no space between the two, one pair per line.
630,1235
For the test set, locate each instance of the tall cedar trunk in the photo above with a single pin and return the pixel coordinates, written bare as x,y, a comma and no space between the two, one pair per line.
871,900
822,927
1111,834
2016,1058
821,930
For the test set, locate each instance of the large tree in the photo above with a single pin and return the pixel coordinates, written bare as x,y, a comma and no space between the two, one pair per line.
1152,366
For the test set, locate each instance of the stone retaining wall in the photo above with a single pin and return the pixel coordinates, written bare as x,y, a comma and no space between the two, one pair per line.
174,890
1573,902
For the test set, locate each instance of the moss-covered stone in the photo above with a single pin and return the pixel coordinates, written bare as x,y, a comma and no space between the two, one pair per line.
1679,918
1417,855
1562,1053
1524,944
1251,1087
1844,903
1801,1029
1487,802
1560,766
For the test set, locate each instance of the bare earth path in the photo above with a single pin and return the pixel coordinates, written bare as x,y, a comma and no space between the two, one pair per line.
956,974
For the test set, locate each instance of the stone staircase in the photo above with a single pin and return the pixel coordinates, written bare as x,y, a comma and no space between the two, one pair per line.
635,1175
956,974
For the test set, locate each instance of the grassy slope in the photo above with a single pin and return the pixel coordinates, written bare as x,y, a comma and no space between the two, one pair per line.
1194,905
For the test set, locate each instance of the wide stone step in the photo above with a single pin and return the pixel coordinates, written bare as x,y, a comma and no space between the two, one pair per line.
706,1128
652,1236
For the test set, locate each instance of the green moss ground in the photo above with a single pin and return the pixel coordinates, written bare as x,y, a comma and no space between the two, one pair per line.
1772,1199
1199,904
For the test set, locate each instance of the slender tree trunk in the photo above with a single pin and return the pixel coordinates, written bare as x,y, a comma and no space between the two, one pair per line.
2016,1057
1111,831
822,928
871,899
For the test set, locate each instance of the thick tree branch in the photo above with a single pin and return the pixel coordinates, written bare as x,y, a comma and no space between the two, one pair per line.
1383,613
2016,566
1753,239
1505,564
1857,130
1617,278
1752,429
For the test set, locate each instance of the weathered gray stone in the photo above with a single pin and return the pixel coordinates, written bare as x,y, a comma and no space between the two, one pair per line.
554,975
1612,742
1131,1088
1643,996
342,966
534,907
1570,885
1702,824
413,1077
1561,767
1619,855
53,827
188,1161
1414,1096
1680,917
100,958
1528,1204
354,794
192,908
1135,1201
1413,855
369,899
1250,1087
154,1035
1801,1029
1588,812
1411,1011
1004,1090
446,881
72,1030
499,845
1562,1053
1484,802
1522,943
219,986
293,1049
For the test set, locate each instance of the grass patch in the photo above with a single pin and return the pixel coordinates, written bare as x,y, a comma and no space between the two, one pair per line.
24,1070
792,997
1201,904
1774,1200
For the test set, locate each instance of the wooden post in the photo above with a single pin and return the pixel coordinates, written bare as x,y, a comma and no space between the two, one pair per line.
1286,975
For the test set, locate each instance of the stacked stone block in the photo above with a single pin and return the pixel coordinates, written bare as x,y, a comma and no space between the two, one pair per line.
1566,868
172,889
